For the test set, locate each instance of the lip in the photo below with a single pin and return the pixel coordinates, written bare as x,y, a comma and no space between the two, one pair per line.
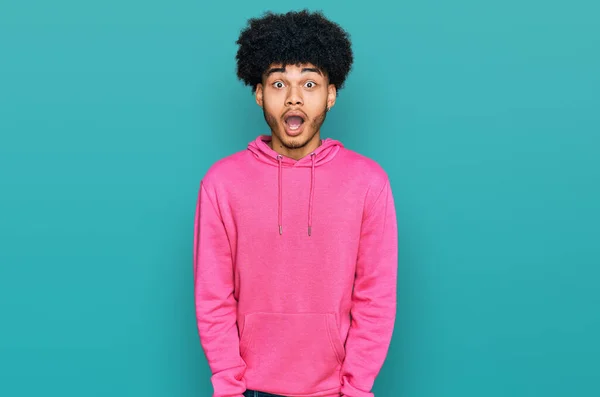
294,113
297,132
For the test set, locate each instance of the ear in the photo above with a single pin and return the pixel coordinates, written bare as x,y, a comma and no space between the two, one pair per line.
259,94
331,96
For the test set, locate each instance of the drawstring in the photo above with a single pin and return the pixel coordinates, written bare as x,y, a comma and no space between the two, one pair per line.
279,157
312,193
310,200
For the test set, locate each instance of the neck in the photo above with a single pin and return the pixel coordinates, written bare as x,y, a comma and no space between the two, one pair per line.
295,153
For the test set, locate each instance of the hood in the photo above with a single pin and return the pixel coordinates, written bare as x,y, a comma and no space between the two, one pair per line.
321,155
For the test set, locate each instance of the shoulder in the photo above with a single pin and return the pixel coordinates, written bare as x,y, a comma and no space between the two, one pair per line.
225,170
367,173
366,167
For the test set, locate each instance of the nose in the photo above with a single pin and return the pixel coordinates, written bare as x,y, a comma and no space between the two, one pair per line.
294,97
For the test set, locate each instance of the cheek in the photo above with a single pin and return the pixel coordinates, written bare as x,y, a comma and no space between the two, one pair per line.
316,101
273,102
272,112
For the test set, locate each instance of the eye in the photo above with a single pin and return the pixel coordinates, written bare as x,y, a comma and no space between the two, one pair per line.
278,84
310,84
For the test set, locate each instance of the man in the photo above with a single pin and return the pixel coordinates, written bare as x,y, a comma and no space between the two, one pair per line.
295,247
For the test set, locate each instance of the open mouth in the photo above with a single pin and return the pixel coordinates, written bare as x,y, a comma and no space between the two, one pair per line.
294,122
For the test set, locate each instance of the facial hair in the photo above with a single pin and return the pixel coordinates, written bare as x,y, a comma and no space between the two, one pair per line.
315,124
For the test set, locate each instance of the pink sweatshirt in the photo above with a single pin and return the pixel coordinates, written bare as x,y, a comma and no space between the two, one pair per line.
295,266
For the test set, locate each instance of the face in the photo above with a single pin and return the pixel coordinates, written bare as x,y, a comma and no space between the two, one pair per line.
295,101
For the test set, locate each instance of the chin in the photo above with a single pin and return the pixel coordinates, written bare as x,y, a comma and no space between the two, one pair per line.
296,142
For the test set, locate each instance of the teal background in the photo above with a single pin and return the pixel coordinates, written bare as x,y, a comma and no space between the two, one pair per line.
485,115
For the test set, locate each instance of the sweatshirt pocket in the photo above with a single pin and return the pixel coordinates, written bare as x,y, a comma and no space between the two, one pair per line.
292,352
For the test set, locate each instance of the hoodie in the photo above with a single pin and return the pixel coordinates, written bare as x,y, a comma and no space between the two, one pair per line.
295,265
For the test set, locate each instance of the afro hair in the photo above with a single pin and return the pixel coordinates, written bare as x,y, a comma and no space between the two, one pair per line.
290,39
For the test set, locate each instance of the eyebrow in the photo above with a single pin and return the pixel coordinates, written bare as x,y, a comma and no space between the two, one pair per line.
282,70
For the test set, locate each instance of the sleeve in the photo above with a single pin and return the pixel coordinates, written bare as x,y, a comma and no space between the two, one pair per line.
214,300
373,308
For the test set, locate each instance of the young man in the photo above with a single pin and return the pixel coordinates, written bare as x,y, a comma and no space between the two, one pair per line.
295,247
